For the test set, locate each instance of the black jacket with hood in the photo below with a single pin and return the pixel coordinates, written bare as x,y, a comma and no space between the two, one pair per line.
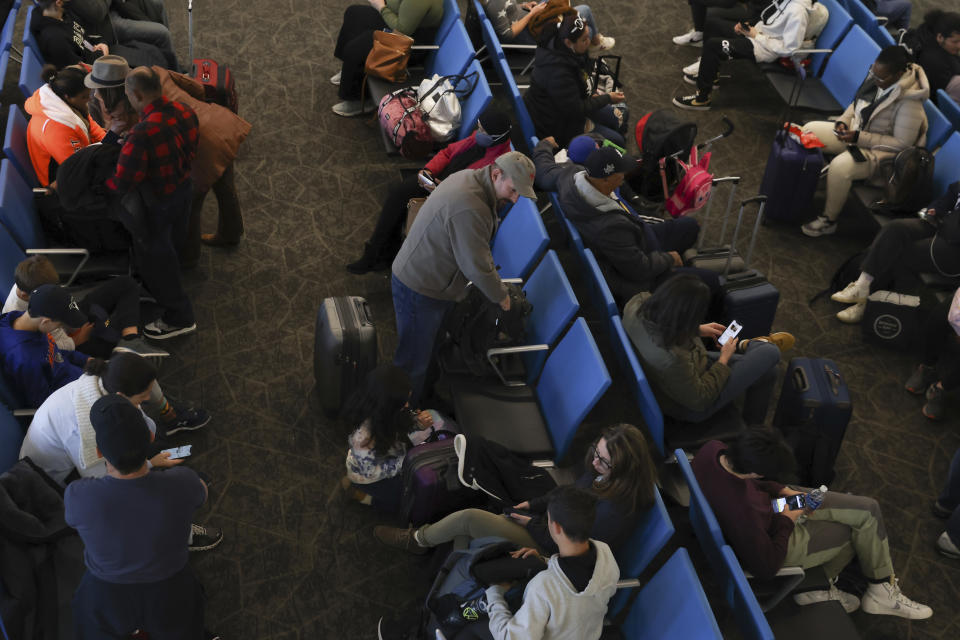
939,65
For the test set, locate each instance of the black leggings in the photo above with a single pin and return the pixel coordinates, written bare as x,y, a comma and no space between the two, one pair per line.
387,235
715,51
119,300
698,10
941,346
901,251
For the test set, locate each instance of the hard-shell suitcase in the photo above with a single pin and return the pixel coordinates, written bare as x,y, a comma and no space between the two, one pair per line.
790,178
813,412
431,488
748,297
218,84
715,258
345,349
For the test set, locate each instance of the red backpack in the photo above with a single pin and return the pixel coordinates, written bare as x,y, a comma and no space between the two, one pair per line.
402,121
693,189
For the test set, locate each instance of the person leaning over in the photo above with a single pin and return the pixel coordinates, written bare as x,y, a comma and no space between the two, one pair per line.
134,523
449,246
155,163
737,479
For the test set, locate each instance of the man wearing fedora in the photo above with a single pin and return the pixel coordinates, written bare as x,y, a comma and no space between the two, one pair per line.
154,167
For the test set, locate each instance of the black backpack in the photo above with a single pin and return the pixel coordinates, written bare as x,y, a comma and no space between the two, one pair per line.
908,188
846,273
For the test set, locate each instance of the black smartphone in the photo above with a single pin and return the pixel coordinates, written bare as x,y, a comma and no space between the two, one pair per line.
855,153
790,503
520,512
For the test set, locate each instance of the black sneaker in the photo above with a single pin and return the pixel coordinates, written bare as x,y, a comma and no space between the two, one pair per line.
189,419
933,409
140,347
921,379
693,103
204,538
210,635
160,330
940,511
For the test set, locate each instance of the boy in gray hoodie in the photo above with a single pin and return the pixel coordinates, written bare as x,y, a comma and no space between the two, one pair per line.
568,600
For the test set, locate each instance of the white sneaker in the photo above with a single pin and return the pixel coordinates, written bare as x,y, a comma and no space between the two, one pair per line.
946,547
851,294
691,38
606,43
692,69
822,226
848,601
335,80
350,108
886,599
852,314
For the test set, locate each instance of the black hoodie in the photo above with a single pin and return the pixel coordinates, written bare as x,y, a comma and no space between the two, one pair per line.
939,65
61,41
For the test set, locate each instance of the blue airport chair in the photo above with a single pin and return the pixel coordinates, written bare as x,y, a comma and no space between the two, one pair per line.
30,70
454,55
573,236
475,104
946,168
603,298
938,127
672,606
753,624
17,212
521,240
491,41
6,36
837,26
630,366
451,15
10,256
554,306
15,145
650,534
520,109
949,108
11,438
28,39
870,22
4,62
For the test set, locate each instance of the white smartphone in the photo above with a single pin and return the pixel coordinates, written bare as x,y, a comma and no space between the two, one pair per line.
179,452
731,332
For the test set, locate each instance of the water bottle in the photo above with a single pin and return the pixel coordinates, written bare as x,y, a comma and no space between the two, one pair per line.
815,498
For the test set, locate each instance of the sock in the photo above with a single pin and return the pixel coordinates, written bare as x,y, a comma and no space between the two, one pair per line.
417,538
167,412
864,281
367,499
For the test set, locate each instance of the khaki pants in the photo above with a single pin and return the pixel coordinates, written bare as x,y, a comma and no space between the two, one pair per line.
843,168
845,526
469,524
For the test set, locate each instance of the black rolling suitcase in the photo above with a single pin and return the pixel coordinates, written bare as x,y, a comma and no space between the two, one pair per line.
715,258
748,297
344,349
813,412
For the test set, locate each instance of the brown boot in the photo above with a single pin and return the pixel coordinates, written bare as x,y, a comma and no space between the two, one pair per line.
399,538
783,341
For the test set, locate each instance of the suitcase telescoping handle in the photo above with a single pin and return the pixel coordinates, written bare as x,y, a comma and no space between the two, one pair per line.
736,232
363,310
734,182
190,27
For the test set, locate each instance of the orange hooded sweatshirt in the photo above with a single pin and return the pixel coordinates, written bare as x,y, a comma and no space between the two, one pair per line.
55,132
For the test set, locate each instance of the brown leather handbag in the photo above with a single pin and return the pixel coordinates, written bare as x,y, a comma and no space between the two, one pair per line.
389,56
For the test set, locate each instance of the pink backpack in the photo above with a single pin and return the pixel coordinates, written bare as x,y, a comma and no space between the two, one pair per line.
402,121
693,189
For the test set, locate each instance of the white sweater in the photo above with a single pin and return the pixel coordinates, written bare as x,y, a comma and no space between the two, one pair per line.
551,609
784,35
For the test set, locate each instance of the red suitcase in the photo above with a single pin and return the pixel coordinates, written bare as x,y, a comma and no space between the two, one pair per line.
217,82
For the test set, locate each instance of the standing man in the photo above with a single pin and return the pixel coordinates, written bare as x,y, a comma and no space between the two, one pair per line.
154,167
447,247
134,523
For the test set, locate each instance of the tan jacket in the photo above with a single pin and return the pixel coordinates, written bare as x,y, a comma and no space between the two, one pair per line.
898,121
221,130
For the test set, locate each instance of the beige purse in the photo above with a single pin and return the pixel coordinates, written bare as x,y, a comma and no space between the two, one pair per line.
413,208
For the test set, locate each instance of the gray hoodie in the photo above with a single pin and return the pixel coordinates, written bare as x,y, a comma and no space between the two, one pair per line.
449,242
551,609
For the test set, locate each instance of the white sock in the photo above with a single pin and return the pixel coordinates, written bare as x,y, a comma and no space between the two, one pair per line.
416,538
864,281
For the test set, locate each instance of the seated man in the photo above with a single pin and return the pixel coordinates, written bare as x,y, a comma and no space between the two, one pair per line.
576,153
569,599
635,253
134,523
903,250
510,19
939,51
736,479
939,370
779,34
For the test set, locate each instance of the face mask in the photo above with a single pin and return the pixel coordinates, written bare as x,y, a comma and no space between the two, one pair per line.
484,139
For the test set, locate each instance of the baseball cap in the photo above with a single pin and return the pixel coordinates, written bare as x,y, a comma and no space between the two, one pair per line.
122,434
55,302
495,122
606,161
520,169
581,147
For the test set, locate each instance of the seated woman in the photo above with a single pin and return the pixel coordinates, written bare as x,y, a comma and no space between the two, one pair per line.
939,55
779,34
418,19
490,140
903,250
60,122
939,371
510,21
387,427
560,99
619,471
700,9
885,118
689,382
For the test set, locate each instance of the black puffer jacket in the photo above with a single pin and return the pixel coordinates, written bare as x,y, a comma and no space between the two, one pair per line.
558,99
939,65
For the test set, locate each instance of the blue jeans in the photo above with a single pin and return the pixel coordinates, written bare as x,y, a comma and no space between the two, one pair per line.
752,374
418,320
950,498
145,31
897,12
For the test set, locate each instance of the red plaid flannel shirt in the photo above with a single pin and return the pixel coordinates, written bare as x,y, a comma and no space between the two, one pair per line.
159,149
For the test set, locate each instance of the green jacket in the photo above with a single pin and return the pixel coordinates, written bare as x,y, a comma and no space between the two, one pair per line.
682,377
406,16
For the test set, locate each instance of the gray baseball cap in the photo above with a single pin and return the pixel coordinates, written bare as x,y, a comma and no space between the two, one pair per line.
520,169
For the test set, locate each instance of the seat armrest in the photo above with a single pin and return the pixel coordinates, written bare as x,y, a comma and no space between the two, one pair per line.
498,351
26,413
628,583
518,47
77,252
424,47
791,579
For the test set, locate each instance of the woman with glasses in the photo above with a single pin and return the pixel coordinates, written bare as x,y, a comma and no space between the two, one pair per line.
885,117
619,471
561,99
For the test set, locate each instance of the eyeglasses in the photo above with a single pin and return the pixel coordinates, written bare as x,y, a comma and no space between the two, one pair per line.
605,463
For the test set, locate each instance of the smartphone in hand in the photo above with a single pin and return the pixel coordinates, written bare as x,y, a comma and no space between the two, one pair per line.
856,153
730,332
179,452
790,503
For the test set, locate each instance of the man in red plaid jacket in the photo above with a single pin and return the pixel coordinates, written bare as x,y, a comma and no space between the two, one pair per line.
155,165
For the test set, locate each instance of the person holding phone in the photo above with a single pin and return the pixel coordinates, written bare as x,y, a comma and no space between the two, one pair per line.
691,383
510,20
885,117
739,479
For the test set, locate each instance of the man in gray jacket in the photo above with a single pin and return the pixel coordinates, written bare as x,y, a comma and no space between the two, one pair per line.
448,247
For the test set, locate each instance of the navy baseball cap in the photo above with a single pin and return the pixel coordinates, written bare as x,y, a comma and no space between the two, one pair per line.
606,161
122,433
55,302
